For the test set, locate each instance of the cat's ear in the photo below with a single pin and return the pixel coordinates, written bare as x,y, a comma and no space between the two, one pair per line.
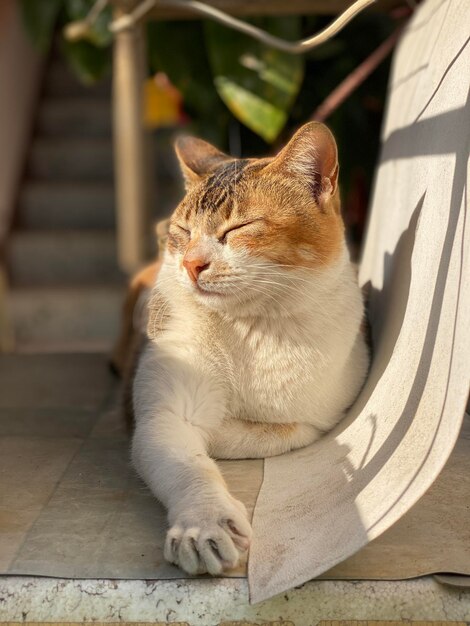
312,155
197,158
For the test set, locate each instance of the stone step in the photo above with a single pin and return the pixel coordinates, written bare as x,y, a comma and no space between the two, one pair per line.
63,257
74,117
61,319
60,81
88,159
47,205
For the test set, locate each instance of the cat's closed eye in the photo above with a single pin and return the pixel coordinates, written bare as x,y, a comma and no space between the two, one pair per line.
178,235
183,229
223,236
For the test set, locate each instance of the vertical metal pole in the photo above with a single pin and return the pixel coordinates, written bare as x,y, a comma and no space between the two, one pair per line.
130,148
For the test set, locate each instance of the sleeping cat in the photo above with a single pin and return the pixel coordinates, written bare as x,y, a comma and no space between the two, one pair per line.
260,349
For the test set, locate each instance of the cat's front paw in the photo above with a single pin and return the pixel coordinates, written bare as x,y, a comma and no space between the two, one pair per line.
209,538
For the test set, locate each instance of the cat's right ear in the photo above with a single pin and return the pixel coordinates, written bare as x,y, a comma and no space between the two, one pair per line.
312,156
197,158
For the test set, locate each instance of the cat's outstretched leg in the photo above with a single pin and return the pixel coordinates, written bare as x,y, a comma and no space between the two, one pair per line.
175,407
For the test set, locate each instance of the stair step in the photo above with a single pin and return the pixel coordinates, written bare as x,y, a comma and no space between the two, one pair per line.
63,257
62,319
45,205
72,117
60,81
71,159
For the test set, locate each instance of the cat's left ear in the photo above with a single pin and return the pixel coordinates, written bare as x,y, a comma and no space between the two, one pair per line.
197,158
312,156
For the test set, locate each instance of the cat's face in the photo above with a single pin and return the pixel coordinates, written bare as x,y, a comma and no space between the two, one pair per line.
248,229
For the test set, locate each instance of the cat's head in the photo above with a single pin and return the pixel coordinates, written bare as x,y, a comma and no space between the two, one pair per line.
248,231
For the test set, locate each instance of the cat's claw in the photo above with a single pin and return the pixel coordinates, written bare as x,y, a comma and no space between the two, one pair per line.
202,541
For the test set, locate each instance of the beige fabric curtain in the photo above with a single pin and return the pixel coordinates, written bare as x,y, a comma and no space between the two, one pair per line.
319,505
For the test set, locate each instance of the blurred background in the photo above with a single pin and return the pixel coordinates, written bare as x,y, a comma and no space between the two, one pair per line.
87,122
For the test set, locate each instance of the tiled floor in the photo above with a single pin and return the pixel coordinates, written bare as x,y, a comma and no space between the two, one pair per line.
70,503
36,381
47,407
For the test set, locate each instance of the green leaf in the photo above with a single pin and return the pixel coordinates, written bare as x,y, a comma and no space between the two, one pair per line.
89,63
266,119
39,19
257,83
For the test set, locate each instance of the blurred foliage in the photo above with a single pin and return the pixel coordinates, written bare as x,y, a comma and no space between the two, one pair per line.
163,103
90,59
88,62
257,83
99,34
40,19
178,49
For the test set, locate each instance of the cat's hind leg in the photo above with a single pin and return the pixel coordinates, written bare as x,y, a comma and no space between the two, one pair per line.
243,439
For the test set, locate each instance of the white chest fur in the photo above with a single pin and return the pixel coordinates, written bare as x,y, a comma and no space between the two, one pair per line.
273,369
304,366
289,369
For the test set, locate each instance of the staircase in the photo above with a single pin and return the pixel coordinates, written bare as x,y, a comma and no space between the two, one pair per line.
66,288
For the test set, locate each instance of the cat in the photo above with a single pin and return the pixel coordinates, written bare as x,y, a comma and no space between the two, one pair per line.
259,348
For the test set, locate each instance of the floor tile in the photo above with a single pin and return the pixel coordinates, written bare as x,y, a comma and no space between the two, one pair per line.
54,381
30,469
63,422
111,425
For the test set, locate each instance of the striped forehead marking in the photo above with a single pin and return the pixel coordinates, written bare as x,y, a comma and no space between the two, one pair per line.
220,185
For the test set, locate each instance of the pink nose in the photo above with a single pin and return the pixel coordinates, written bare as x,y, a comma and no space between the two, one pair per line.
194,267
